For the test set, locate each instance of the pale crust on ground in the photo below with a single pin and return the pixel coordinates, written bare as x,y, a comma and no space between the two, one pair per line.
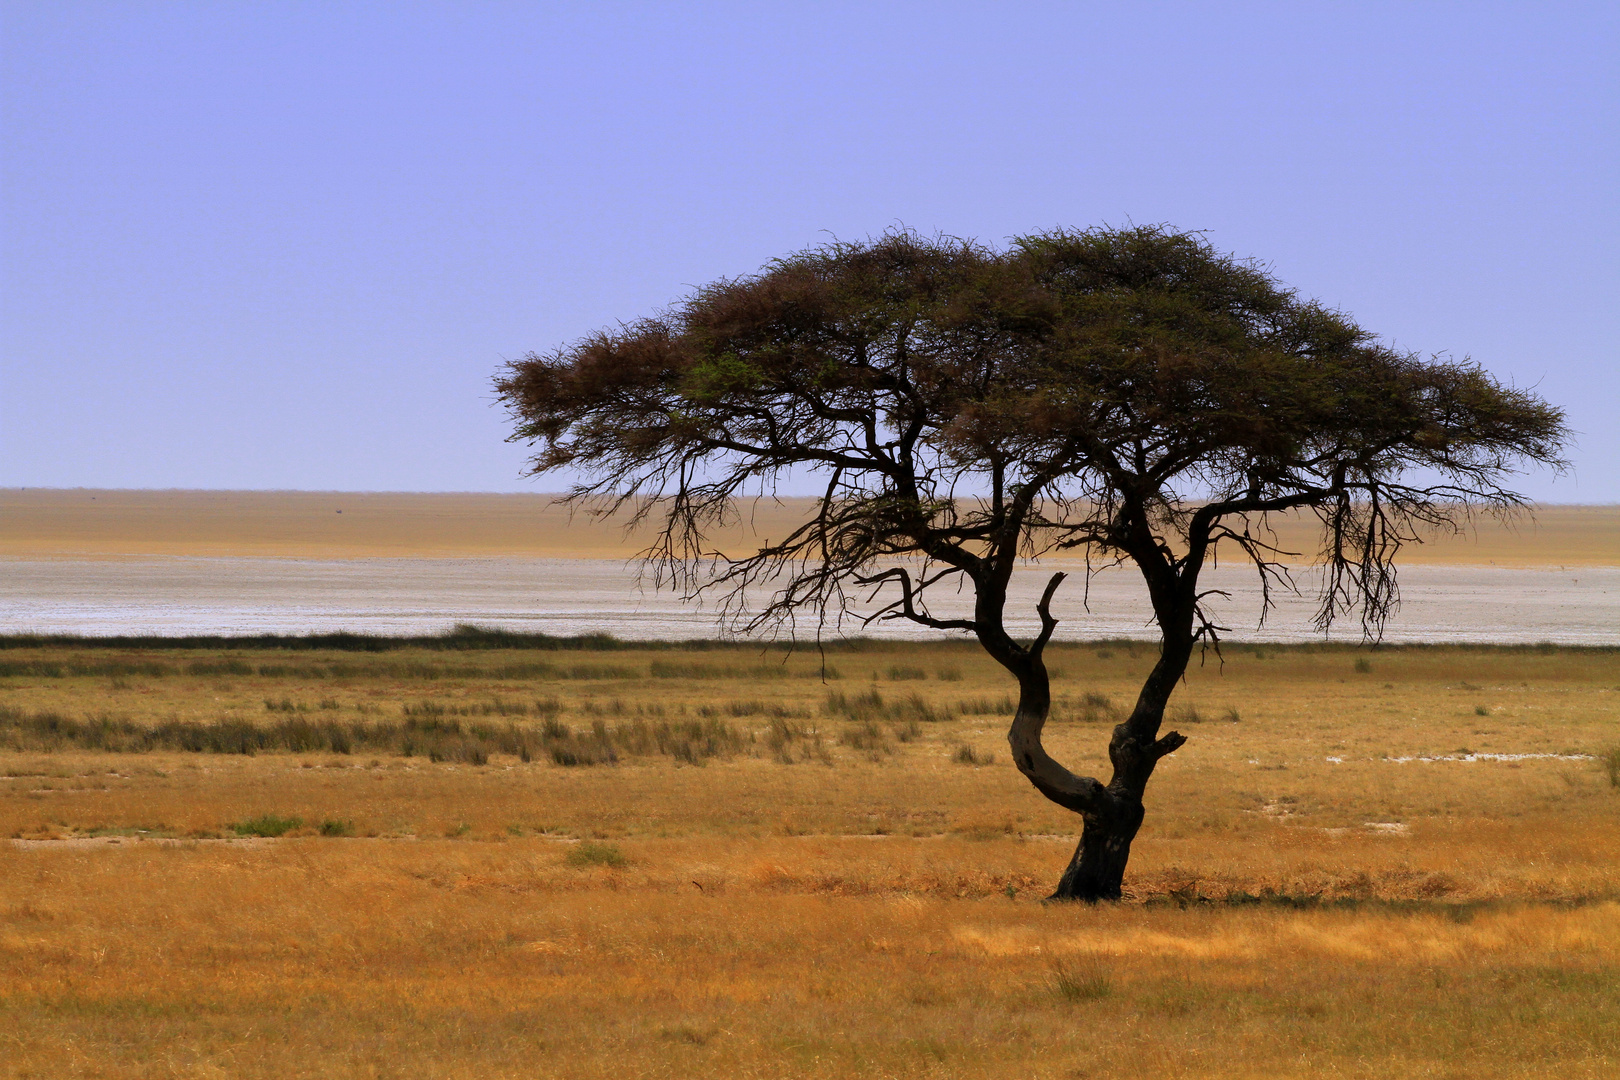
81,523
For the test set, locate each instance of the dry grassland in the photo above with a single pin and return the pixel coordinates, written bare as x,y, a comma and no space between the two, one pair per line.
785,877
329,525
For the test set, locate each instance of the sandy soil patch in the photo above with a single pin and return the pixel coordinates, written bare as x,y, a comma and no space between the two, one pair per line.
332,525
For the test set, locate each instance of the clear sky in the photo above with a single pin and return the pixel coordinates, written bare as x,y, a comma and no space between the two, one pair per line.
286,245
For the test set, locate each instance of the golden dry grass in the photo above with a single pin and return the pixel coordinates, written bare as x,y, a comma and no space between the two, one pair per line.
77,523
870,909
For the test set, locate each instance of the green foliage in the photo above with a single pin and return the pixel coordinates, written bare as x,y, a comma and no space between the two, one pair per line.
267,825
712,379
590,853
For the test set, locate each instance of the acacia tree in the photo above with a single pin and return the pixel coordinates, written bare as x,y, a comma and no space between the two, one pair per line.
1129,393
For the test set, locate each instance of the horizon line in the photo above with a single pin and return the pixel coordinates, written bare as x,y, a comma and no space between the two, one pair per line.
444,491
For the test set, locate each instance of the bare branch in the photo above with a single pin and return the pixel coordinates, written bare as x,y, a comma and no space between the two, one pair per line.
907,606
1044,608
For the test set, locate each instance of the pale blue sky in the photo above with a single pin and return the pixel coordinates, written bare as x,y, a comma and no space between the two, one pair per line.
278,245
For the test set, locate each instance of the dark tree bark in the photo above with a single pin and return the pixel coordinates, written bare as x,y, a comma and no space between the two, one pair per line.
1111,814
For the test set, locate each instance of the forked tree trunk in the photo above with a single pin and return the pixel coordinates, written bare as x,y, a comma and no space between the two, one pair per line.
1108,824
1110,814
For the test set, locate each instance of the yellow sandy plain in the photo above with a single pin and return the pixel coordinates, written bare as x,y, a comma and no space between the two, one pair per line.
334,525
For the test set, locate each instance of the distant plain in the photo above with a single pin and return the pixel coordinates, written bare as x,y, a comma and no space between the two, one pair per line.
80,522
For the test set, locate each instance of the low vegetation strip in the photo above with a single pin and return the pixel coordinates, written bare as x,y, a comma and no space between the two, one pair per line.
52,669
232,666
437,738
414,669
461,638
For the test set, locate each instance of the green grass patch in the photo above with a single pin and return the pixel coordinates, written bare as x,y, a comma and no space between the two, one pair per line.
267,825
591,853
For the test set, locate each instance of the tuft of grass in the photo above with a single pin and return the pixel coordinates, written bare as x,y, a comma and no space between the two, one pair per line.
917,707
1480,710
336,827
1231,715
966,755
906,672
867,737
1187,714
747,707
1096,707
591,853
951,673
1363,666
784,738
870,706
1081,982
267,825
1005,705
1609,759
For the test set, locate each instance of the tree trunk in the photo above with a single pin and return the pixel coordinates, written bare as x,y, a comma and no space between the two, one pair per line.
1097,870
1110,814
